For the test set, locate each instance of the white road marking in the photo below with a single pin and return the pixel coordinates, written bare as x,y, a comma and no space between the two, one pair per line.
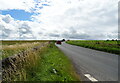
90,78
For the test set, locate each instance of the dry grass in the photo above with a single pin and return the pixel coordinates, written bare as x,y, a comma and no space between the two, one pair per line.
10,50
19,46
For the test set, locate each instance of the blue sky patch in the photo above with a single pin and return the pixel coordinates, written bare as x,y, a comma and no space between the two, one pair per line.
45,5
18,14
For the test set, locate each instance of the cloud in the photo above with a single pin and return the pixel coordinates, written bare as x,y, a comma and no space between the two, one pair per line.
7,27
92,19
13,29
25,31
71,19
7,19
5,32
53,35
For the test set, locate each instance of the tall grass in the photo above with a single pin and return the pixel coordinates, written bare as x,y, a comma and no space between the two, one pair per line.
26,59
10,50
11,42
20,72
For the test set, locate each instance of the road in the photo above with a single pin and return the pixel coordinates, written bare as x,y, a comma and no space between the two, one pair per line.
97,65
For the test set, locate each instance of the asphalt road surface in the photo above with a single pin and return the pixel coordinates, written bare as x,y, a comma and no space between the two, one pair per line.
92,64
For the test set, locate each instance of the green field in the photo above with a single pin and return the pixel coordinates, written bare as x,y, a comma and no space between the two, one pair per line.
111,46
46,64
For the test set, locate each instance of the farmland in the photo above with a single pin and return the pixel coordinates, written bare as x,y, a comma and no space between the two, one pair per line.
44,63
111,46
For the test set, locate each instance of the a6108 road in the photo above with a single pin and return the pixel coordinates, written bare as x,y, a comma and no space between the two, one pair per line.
94,65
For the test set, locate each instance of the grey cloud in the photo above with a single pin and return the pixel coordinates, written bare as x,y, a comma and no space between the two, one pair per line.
7,19
54,35
79,36
25,31
73,34
5,32
40,33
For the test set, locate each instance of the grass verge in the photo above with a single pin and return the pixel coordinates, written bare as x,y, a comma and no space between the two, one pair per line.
52,66
102,45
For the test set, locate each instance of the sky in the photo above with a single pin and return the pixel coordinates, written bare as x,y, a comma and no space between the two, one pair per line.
58,19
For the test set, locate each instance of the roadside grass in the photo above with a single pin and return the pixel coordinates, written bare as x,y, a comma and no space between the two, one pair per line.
52,66
102,45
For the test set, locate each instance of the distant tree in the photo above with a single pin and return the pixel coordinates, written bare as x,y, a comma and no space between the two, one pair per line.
63,40
112,39
107,40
